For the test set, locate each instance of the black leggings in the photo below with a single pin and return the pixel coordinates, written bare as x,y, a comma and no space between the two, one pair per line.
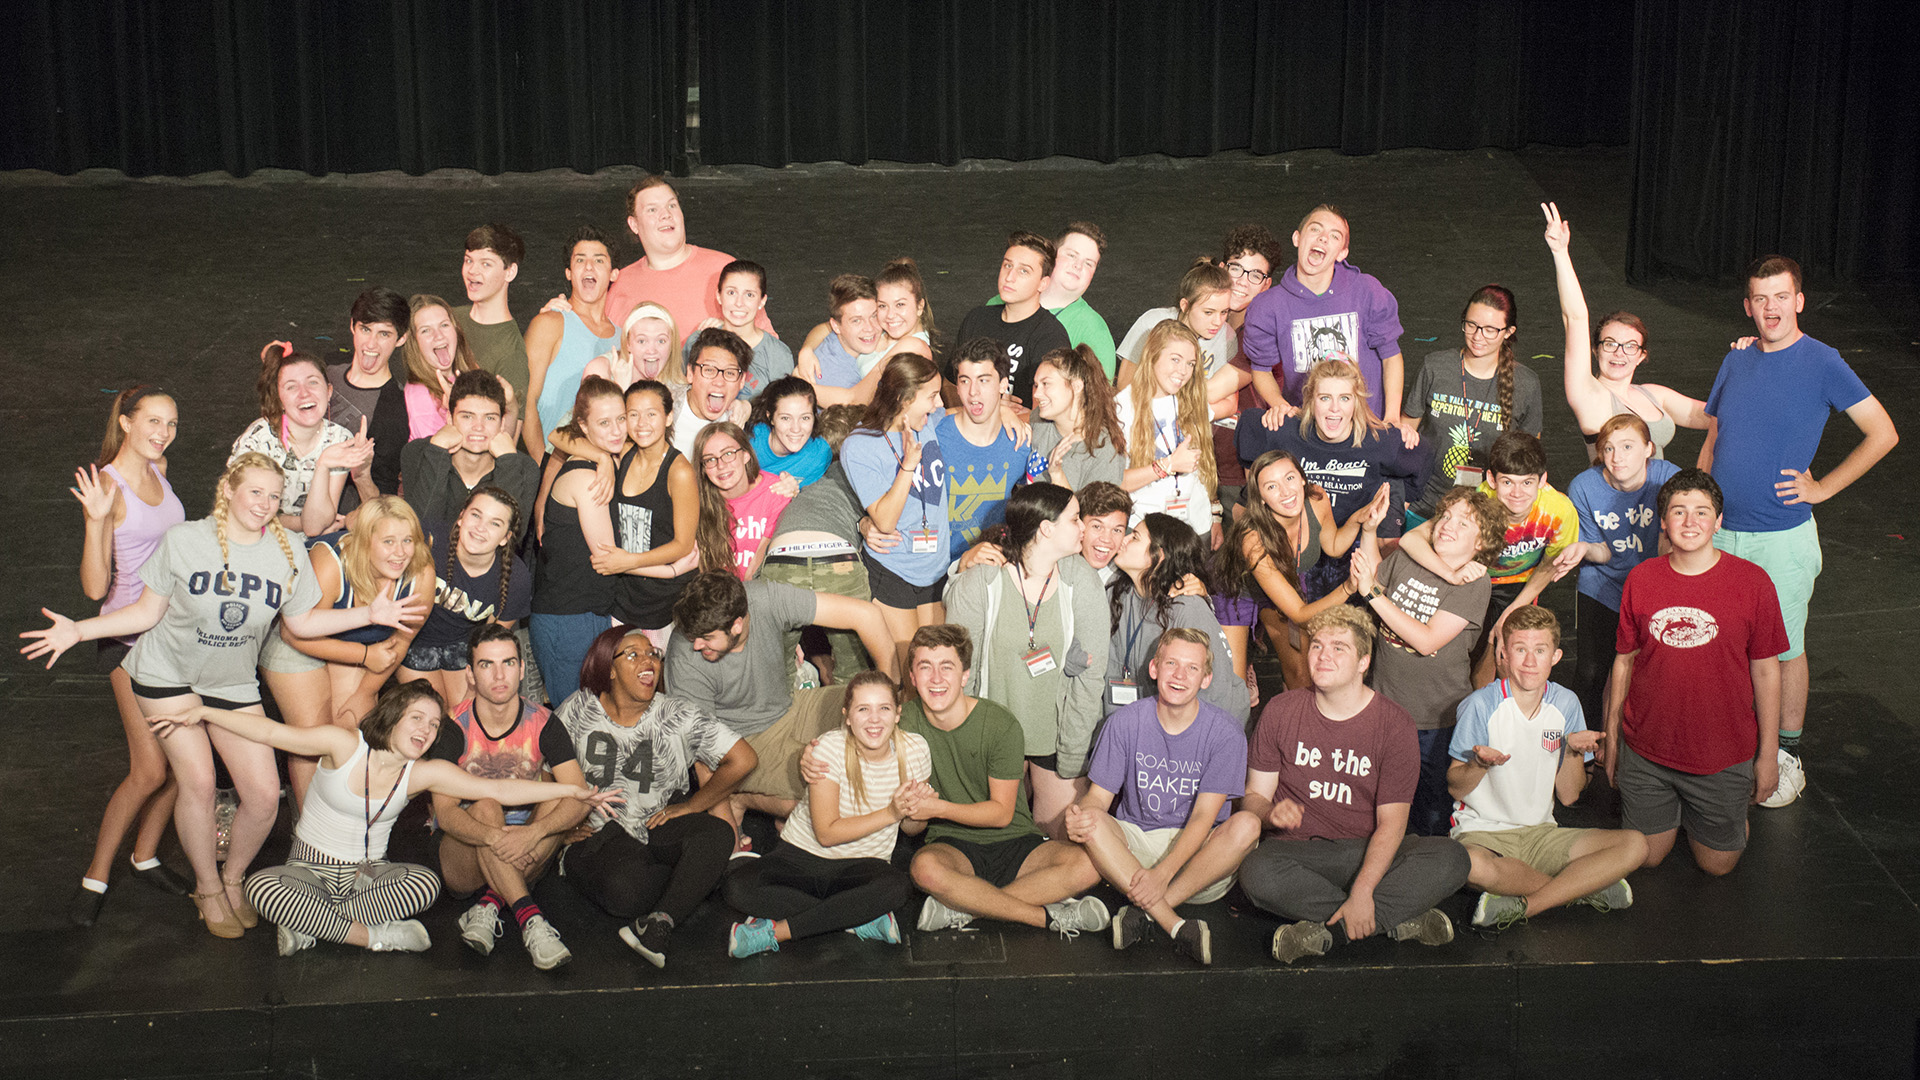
1596,629
816,895
672,872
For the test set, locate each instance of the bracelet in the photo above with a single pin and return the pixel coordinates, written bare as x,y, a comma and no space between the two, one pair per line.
366,650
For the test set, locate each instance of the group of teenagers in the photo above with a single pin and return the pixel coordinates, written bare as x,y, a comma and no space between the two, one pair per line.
610,584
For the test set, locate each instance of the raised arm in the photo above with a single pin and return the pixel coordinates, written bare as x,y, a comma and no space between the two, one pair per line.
136,618
1588,399
100,499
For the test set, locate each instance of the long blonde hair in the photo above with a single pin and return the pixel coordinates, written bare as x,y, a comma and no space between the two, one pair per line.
356,548
673,370
1191,416
223,499
856,776
1363,418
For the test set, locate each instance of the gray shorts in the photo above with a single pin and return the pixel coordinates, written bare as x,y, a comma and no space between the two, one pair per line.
1712,808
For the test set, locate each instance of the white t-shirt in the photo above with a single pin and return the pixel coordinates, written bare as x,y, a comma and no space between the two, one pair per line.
1157,496
1518,792
1218,351
881,778
687,426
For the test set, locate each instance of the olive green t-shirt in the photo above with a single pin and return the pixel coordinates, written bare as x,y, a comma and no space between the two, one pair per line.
499,348
988,744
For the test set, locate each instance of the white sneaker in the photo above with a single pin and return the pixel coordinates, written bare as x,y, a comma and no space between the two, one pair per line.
543,944
1793,781
292,941
479,926
401,935
935,916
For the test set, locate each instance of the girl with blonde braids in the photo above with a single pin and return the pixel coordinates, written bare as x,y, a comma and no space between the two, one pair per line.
212,591
384,553
1163,411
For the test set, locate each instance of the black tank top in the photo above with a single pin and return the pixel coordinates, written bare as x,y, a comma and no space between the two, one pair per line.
641,523
564,580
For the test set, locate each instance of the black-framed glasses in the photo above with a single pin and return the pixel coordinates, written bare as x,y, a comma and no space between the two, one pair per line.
1254,277
725,457
1474,329
1628,349
714,372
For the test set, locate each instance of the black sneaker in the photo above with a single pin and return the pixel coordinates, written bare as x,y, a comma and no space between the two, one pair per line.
1130,926
1193,939
648,937
163,878
85,906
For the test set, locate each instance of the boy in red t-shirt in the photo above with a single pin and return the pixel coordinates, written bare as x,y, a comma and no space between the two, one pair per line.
1331,770
1693,712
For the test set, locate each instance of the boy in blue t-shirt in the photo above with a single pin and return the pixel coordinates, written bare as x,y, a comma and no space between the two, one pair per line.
1155,817
1769,406
1618,504
983,461
1510,760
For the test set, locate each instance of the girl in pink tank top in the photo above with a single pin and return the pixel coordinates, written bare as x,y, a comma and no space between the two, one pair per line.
129,506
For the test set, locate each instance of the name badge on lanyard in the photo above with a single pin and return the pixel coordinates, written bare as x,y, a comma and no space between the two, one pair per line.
924,541
1039,661
1124,691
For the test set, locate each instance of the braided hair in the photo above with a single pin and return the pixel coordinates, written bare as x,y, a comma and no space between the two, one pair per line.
223,498
1500,298
503,555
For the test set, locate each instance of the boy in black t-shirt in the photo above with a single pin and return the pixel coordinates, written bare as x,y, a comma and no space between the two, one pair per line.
1022,325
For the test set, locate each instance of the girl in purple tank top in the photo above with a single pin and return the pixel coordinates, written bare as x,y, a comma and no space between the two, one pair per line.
129,505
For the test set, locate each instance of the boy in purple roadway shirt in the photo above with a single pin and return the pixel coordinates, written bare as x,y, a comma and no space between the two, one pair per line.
1155,818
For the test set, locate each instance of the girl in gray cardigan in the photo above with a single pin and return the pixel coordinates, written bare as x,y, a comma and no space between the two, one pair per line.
1043,630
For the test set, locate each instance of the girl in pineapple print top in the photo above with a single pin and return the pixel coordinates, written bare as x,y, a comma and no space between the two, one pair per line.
1465,398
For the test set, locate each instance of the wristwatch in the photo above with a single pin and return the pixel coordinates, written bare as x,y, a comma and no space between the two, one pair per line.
1376,592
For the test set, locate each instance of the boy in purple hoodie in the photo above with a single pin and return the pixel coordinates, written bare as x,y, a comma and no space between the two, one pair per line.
1324,309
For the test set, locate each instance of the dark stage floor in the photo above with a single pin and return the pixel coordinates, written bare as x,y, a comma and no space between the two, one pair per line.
1803,963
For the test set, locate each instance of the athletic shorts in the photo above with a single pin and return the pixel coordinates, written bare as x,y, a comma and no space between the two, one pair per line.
159,693
437,657
1791,557
1712,808
1547,848
998,863
1151,845
894,591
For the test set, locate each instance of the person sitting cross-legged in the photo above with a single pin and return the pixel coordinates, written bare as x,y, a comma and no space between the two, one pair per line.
1155,818
1519,742
1332,770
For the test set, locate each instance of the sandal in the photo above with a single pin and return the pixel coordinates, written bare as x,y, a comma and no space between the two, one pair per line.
243,912
226,926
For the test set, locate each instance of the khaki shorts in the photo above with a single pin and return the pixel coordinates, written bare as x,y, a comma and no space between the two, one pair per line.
1152,845
812,714
1547,848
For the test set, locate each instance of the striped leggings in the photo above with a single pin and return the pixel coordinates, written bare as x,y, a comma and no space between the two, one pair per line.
314,893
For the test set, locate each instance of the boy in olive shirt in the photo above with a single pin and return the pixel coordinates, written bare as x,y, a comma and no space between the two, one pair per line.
491,263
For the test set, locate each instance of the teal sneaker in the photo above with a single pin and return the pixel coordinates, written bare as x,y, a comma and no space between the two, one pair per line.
751,938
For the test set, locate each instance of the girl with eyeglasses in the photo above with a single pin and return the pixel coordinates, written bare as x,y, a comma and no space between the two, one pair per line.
1621,345
1467,397
739,505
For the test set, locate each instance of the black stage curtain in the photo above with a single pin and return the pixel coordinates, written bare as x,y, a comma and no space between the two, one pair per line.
941,80
1765,126
175,88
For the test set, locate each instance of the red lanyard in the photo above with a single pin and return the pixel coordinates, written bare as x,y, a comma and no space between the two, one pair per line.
1033,611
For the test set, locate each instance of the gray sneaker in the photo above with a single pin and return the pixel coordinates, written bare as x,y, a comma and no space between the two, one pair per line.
292,941
1295,940
1194,940
543,944
1615,897
1431,927
479,926
935,915
402,935
1497,912
1069,917
1130,925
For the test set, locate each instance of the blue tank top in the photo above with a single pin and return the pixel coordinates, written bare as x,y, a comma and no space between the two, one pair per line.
365,635
577,348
